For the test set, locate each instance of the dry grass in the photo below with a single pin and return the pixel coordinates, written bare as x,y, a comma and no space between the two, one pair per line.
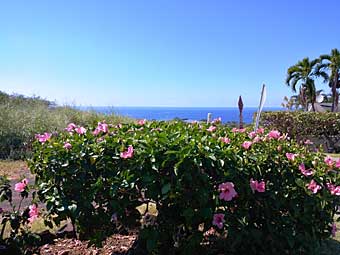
14,169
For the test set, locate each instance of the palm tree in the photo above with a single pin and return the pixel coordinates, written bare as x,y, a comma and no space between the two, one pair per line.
303,74
332,63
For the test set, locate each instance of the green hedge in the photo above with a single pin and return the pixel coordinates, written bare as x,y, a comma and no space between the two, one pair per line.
260,193
321,128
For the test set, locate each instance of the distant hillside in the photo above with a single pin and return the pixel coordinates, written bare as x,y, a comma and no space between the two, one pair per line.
22,117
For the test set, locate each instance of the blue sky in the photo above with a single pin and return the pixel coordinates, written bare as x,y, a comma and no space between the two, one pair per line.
160,53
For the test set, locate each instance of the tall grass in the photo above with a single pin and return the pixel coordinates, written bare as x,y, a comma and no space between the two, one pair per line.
22,117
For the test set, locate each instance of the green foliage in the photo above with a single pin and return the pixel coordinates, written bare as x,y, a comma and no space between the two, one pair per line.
321,128
22,117
20,239
178,167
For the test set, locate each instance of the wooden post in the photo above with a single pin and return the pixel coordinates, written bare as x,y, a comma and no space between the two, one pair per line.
240,108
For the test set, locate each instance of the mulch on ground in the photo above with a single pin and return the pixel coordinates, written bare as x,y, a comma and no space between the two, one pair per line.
114,245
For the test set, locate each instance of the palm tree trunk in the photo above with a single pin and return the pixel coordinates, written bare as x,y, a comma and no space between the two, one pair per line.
334,96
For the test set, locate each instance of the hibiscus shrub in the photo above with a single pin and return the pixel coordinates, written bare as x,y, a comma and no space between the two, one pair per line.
241,191
322,128
17,220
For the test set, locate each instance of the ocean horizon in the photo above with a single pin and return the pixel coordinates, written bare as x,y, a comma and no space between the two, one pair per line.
228,114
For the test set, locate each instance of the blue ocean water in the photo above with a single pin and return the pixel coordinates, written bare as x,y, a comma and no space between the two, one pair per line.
228,114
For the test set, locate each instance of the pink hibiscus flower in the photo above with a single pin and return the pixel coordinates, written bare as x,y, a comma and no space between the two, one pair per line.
21,186
227,191
291,156
70,127
335,190
260,131
218,220
225,139
128,153
44,137
211,129
67,146
246,145
274,134
304,171
252,134
337,163
141,122
257,139
257,186
314,187
33,213
80,130
329,161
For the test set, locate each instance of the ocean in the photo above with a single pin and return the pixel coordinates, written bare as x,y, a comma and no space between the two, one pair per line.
228,114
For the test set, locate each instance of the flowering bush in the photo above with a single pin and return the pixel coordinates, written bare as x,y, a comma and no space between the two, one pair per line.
320,128
20,239
261,192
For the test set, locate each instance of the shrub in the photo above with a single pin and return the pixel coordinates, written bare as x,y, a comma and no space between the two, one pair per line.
322,128
19,240
261,193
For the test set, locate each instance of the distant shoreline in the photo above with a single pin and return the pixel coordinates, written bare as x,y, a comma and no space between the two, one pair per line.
228,114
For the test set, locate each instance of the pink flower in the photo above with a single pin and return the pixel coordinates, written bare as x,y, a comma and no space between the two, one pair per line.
307,142
44,137
291,156
67,146
227,191
314,187
33,213
329,161
335,190
218,120
257,139
252,134
303,170
218,220
211,129
141,122
80,130
225,139
128,153
102,127
260,131
337,164
70,127
257,186
246,145
241,130
274,134
334,229
20,186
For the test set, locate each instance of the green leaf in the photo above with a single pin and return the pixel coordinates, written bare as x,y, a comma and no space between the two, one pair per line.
166,188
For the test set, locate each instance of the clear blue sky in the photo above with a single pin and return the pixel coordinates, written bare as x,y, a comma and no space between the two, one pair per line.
160,53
